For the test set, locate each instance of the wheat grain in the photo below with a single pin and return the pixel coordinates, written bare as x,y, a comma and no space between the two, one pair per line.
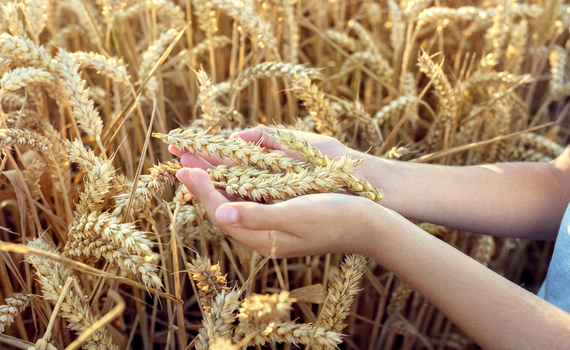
270,187
484,249
94,248
343,39
496,36
558,60
291,45
113,8
393,108
24,119
515,52
338,170
22,77
210,108
147,186
376,62
397,31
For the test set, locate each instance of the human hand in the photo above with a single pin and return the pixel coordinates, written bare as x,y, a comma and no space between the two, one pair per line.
329,146
302,226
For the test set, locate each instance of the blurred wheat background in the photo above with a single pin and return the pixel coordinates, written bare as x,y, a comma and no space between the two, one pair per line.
102,249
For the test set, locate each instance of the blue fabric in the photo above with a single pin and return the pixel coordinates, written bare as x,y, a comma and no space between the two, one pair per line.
556,286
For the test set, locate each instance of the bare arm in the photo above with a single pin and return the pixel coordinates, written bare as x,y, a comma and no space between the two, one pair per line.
496,313
525,200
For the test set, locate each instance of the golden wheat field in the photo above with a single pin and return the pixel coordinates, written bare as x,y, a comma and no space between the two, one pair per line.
102,248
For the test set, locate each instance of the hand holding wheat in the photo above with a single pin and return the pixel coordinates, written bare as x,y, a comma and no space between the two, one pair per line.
302,226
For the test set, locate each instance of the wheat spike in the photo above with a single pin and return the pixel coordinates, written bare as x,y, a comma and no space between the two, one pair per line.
37,14
52,277
109,67
83,109
256,313
399,298
210,108
341,293
32,176
484,249
343,40
25,52
165,9
297,334
11,16
251,22
273,69
206,16
375,61
152,55
237,150
209,280
25,138
270,187
218,322
217,41
13,306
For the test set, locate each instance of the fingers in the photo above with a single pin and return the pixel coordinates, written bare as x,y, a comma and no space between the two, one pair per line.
175,151
260,133
253,216
199,184
192,161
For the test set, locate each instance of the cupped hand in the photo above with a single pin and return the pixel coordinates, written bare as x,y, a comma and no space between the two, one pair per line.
302,226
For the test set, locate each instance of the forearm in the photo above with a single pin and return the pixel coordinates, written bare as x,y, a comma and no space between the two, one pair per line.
496,313
524,200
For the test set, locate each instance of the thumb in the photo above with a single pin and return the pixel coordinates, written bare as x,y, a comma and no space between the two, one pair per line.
252,216
261,227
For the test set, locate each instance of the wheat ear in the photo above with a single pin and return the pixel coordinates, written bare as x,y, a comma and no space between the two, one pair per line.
52,277
341,293
237,150
209,280
13,306
218,323
251,21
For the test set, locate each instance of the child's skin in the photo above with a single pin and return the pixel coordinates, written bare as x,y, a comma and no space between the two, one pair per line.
525,200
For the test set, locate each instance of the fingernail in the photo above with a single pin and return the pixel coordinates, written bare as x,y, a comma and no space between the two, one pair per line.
227,215
181,173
